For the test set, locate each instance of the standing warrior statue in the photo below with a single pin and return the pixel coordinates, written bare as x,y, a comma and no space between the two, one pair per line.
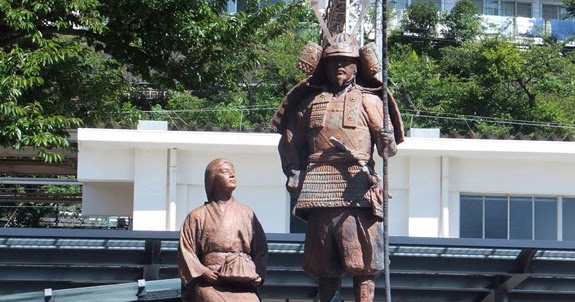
329,125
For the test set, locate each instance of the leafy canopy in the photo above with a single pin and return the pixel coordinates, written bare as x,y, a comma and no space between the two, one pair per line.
489,86
63,63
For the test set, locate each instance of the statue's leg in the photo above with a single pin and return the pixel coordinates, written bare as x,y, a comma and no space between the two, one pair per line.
364,288
329,289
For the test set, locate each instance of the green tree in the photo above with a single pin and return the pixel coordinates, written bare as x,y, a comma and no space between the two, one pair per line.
31,214
260,89
277,73
570,7
418,26
186,110
194,43
26,214
61,63
489,86
462,22
42,52
258,93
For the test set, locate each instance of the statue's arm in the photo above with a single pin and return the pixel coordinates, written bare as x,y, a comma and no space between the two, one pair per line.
189,264
373,107
293,150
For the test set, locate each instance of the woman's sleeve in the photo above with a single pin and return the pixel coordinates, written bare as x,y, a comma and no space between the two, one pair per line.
189,264
259,249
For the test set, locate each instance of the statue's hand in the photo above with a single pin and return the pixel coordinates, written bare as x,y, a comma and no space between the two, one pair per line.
295,181
211,277
257,282
386,142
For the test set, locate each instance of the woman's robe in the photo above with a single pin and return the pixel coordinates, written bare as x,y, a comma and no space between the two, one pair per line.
207,236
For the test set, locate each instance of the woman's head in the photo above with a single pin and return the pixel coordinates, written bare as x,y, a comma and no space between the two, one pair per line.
220,175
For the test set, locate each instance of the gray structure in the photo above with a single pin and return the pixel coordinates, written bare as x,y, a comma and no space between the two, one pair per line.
57,265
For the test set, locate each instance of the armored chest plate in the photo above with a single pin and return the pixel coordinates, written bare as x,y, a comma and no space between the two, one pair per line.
340,117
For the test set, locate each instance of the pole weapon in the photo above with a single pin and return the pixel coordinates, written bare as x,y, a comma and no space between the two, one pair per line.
387,131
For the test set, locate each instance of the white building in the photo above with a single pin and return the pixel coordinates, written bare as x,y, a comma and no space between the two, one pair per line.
523,189
524,18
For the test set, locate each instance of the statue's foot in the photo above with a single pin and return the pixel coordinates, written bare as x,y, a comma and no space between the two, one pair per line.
364,288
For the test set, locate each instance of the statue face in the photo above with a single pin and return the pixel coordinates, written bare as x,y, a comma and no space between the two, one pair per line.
225,177
340,70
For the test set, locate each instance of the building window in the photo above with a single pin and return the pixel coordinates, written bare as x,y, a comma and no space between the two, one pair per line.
491,7
516,217
508,9
523,10
479,4
400,4
504,8
568,215
554,12
515,9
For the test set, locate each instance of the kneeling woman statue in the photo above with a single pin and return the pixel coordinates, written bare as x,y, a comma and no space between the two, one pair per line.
223,250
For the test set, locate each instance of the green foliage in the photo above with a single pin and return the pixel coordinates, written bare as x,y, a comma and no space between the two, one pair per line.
26,125
88,87
31,215
26,214
421,18
570,7
254,96
129,116
489,86
266,86
418,26
194,110
417,73
42,68
192,42
62,64
462,22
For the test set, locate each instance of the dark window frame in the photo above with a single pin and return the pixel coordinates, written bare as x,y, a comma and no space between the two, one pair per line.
515,216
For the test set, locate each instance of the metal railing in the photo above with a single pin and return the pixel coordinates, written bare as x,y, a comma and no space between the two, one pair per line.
62,265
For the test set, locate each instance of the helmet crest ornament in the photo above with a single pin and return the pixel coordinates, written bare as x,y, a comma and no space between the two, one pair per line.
341,44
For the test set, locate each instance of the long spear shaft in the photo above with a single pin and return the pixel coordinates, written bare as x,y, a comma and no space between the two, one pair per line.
387,276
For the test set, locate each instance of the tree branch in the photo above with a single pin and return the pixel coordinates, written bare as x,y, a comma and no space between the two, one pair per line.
47,32
530,95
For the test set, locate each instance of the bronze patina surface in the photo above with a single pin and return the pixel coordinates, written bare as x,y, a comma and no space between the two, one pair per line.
222,255
330,124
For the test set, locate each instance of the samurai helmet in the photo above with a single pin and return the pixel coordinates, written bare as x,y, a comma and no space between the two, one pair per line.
343,45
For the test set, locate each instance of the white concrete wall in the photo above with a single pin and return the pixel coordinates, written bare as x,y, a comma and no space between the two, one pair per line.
111,197
106,164
424,196
399,188
260,184
137,161
150,189
126,172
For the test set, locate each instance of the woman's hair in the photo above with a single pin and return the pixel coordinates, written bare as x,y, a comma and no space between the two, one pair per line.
210,175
